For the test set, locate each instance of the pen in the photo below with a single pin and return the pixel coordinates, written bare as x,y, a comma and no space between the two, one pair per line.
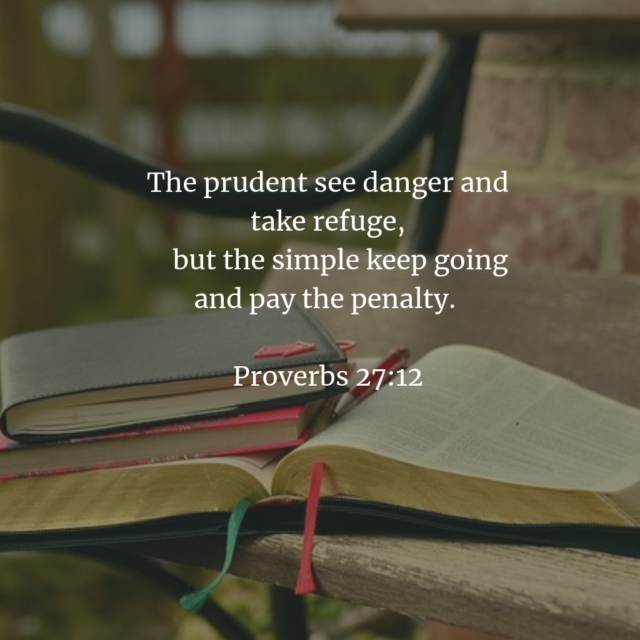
378,377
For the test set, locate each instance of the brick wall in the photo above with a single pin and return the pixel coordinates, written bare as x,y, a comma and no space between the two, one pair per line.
562,116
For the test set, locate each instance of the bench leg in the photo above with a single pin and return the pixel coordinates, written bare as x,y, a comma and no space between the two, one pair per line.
288,614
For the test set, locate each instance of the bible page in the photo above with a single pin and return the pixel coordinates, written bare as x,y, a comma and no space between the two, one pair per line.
483,414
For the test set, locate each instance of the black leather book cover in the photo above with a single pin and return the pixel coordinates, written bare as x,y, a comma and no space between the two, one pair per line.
64,361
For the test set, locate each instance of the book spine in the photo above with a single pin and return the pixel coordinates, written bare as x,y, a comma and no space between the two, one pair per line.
277,446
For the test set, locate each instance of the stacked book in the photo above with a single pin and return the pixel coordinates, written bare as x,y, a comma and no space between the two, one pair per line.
158,390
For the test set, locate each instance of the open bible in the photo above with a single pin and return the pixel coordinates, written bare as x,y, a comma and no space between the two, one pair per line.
485,437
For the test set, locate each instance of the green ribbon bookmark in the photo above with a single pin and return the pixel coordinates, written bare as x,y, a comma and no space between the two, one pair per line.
193,602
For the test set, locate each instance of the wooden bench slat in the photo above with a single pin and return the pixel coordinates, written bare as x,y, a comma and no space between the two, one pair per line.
490,15
520,592
578,325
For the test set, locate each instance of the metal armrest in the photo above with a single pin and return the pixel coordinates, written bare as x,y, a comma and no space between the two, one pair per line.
426,111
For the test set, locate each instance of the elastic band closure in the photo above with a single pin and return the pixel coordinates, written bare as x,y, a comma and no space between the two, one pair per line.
306,580
193,602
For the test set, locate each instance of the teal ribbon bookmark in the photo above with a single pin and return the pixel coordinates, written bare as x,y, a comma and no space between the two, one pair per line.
193,602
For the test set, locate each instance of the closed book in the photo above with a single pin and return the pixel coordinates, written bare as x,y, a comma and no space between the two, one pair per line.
272,430
74,381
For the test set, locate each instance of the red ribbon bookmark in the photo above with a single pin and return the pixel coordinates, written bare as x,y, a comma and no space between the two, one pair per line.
285,350
306,580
